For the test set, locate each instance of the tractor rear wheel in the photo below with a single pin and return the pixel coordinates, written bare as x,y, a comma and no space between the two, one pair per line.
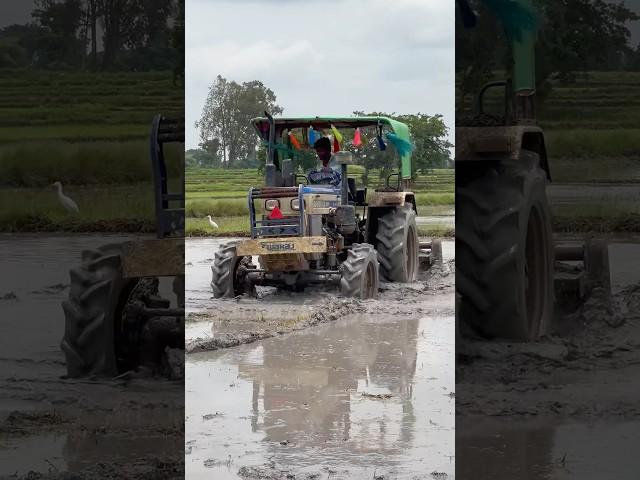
397,245
96,340
360,272
88,341
504,251
229,272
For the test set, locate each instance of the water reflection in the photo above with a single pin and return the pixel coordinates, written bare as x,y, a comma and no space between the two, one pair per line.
361,394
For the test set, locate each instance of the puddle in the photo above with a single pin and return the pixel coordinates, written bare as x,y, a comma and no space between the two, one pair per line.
298,400
539,451
624,265
74,453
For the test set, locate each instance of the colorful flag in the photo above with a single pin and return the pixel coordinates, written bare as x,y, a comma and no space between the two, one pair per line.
294,141
357,141
312,136
336,134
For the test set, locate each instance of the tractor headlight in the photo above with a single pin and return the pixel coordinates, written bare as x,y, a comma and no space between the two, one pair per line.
271,204
295,204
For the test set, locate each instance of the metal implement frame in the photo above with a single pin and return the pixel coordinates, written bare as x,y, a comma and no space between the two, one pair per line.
169,221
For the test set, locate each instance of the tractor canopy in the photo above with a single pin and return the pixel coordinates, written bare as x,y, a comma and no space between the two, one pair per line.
397,133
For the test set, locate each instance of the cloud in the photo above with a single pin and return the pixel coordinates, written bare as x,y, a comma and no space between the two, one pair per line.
325,58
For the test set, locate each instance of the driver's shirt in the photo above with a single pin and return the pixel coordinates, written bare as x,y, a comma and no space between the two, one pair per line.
326,175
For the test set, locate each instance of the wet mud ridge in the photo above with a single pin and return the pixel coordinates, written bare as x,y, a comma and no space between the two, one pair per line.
597,345
232,322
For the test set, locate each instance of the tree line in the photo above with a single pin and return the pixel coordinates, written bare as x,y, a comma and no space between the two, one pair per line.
228,140
573,38
98,35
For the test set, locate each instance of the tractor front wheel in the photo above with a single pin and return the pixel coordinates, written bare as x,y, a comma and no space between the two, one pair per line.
360,272
229,272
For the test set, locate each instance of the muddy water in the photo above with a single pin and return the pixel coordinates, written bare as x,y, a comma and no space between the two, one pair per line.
48,423
540,451
624,264
304,401
566,408
199,253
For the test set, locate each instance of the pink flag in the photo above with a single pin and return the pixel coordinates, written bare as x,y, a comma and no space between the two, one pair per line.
357,141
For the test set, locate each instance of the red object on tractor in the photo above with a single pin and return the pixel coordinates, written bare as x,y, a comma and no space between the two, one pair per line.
276,214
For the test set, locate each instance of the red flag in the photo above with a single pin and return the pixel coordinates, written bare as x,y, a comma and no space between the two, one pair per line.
336,145
276,214
357,141
294,141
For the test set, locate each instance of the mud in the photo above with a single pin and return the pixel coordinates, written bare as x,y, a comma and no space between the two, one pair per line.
57,428
213,324
564,407
319,386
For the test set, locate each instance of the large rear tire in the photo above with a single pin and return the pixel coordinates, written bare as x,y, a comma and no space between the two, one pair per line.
360,272
397,245
88,341
504,250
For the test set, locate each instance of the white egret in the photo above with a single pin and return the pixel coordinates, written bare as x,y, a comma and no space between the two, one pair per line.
213,224
69,205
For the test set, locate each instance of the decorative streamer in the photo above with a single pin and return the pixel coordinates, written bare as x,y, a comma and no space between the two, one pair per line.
357,141
381,143
294,141
402,146
515,17
312,136
336,145
336,134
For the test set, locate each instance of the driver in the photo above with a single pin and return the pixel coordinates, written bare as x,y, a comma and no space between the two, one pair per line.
325,175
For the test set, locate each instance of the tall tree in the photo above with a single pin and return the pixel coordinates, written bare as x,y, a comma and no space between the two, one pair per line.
61,22
226,116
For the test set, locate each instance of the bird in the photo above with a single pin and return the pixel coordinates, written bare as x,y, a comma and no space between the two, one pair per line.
213,224
69,205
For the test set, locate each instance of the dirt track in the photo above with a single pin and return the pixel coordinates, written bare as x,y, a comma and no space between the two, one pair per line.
565,407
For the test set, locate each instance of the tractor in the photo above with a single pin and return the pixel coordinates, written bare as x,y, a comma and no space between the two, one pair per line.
115,319
306,231
505,256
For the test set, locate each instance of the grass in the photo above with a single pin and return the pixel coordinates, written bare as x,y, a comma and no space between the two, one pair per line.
595,169
222,193
90,132
80,105
591,143
102,208
238,226
40,163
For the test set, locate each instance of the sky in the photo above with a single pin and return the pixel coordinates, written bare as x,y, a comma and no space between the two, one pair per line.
325,57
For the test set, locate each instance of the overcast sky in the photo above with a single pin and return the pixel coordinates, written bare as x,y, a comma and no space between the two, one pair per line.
325,57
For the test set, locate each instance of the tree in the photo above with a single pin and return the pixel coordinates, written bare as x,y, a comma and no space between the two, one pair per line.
574,36
429,134
61,21
226,116
201,158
